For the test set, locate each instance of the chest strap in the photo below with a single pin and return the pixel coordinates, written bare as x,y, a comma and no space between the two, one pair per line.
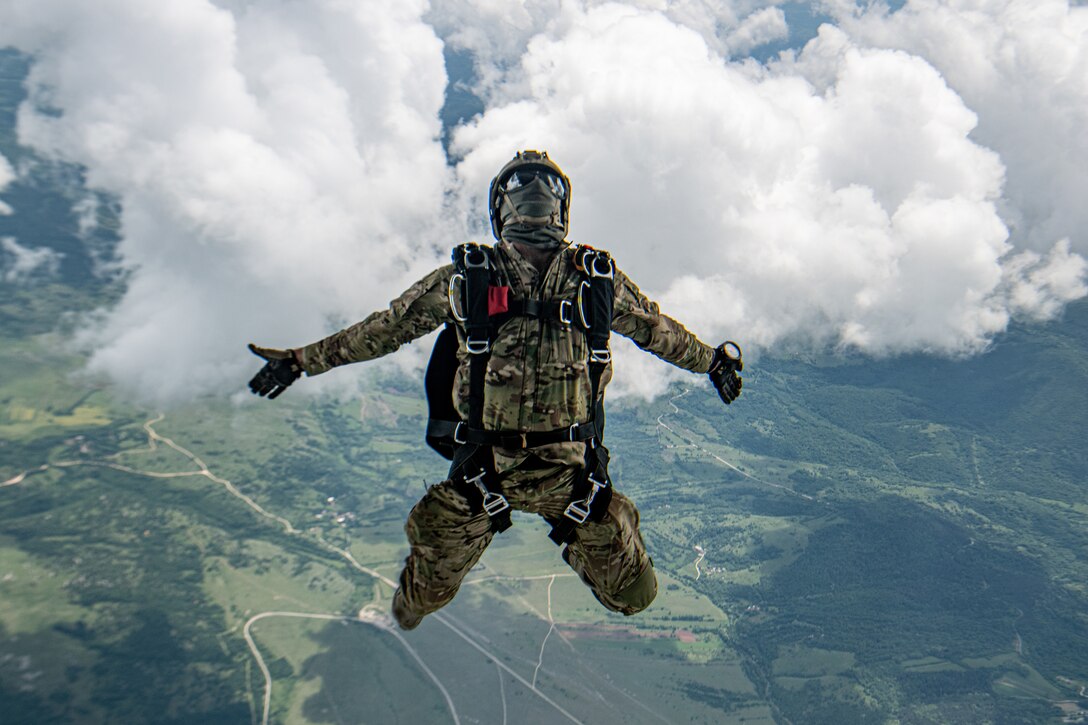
460,433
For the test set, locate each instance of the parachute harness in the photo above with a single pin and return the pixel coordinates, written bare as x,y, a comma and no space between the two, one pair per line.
480,308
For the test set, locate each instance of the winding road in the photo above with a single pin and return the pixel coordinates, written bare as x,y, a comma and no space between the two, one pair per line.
698,550
693,444
365,616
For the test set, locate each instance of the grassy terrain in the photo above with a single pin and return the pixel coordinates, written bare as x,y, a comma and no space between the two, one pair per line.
906,512
150,570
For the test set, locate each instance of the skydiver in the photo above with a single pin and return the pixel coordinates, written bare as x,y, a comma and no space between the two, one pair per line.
515,389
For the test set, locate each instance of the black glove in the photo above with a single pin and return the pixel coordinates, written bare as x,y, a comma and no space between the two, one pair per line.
724,367
281,370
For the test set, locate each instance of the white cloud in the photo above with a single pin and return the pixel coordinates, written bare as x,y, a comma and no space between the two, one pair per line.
19,263
497,32
279,164
1022,66
1040,286
757,29
7,175
836,199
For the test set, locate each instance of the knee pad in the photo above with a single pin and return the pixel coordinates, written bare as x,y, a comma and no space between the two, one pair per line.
637,595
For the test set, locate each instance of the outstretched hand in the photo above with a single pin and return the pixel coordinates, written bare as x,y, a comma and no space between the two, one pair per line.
280,370
724,369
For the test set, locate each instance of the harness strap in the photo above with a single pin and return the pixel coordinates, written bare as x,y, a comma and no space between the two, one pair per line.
590,496
460,433
473,473
474,465
561,311
485,307
441,370
592,490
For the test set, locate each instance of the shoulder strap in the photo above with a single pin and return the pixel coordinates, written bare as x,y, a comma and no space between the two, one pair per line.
438,383
473,465
596,301
473,261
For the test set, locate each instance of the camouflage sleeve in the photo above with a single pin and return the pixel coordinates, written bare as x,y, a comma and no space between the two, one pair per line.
639,318
421,309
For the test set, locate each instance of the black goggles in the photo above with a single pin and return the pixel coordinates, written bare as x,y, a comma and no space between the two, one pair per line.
524,177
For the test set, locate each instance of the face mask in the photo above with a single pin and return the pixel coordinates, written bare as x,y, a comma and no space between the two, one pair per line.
542,237
534,203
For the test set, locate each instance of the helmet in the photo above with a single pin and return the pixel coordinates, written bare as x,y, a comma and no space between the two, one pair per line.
523,166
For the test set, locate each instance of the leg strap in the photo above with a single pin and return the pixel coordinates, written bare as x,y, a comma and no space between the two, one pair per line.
473,472
589,498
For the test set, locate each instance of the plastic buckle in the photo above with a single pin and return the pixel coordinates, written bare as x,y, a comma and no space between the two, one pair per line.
600,356
495,503
477,251
566,312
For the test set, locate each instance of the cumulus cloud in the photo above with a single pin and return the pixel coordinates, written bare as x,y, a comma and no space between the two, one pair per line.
1039,285
837,198
497,33
274,160
280,169
1022,66
757,29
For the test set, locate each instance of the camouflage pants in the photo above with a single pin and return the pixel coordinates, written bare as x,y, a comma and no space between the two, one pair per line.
448,537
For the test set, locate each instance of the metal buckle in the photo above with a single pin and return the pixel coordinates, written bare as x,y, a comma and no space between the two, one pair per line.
566,312
577,513
456,430
495,503
609,273
581,303
477,347
572,432
450,294
600,356
477,480
580,257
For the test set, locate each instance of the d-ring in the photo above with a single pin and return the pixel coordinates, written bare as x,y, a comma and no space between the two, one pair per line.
450,294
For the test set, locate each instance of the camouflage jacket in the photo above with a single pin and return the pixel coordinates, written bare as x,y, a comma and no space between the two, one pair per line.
537,375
